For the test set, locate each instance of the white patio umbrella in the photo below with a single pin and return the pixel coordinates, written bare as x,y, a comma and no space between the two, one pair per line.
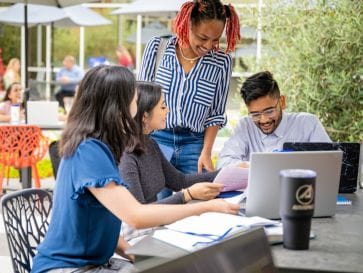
76,16
151,30
151,8
155,7
80,16
246,50
36,14
73,16
54,3
247,32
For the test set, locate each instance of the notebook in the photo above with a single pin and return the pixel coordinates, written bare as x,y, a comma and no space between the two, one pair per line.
350,163
263,190
246,252
42,112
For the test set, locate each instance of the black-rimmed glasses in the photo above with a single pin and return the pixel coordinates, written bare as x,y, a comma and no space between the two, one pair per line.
270,113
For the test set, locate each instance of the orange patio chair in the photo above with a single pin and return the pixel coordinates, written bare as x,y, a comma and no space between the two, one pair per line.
21,146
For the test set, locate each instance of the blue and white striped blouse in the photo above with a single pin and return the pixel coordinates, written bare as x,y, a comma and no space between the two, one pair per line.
196,99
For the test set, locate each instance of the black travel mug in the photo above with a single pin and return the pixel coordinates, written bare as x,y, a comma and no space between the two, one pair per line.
297,206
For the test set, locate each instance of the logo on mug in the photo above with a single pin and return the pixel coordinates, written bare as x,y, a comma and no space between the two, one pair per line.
305,195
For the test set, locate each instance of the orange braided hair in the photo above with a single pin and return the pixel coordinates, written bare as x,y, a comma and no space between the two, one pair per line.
181,23
232,29
196,11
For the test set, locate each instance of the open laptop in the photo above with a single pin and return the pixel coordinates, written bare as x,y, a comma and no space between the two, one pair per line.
244,253
42,112
263,190
350,163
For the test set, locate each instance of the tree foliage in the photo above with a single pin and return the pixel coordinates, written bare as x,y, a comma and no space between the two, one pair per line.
9,42
318,61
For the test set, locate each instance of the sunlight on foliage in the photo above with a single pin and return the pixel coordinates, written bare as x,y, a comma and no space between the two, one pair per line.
318,62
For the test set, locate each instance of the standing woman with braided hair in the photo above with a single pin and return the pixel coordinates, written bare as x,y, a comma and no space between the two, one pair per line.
195,76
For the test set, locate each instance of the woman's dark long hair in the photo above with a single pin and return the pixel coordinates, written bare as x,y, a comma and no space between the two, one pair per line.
149,95
101,110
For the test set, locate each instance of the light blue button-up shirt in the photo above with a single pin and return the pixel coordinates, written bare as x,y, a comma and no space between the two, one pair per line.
248,138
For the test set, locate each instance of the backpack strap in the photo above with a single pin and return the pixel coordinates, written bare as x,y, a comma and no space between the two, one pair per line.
160,54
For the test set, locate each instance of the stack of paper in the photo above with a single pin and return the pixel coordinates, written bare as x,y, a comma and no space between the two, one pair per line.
195,232
237,199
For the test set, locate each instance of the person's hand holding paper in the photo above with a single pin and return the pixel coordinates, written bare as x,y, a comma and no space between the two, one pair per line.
233,178
205,190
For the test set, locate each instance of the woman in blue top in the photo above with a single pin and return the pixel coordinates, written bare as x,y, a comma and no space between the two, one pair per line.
90,197
195,77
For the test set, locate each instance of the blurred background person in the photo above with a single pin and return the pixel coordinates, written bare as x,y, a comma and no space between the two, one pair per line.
2,72
12,73
13,96
68,77
124,57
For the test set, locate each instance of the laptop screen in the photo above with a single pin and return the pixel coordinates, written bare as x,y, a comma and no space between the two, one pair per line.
247,252
42,112
350,161
263,190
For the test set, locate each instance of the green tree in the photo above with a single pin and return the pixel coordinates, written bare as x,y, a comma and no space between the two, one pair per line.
9,41
318,61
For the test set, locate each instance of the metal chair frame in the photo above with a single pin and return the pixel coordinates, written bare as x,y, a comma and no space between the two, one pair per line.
26,219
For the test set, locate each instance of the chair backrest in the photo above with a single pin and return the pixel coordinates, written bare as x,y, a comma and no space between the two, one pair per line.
21,145
26,220
54,157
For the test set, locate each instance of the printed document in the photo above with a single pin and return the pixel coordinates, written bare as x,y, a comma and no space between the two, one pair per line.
195,232
233,178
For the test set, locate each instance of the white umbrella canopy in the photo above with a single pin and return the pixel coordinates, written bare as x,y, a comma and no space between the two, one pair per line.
246,50
150,8
54,3
247,32
154,7
151,30
37,14
79,16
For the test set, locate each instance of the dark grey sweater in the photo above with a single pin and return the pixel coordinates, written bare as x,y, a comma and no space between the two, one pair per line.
147,174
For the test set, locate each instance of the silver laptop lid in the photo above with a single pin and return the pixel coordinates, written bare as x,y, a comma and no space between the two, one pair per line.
263,191
42,112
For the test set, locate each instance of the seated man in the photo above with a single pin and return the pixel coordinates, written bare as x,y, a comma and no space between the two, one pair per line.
267,126
68,78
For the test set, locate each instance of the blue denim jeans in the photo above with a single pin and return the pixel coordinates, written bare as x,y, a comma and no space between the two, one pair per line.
182,147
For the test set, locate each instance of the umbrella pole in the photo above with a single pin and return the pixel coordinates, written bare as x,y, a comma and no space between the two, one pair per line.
26,43
26,93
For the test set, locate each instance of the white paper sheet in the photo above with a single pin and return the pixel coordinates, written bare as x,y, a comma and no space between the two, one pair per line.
233,178
211,227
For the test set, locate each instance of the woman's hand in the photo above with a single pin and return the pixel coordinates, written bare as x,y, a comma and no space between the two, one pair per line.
205,161
220,205
204,190
121,247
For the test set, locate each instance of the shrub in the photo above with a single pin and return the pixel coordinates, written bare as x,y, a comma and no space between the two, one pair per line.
44,168
318,61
